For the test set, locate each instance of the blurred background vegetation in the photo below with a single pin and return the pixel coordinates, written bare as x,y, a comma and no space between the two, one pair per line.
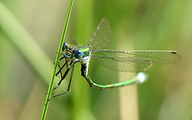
29,37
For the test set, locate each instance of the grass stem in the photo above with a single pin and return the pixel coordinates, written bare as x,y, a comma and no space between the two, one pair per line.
56,62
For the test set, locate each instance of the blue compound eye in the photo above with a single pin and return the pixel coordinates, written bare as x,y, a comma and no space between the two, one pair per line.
64,46
78,53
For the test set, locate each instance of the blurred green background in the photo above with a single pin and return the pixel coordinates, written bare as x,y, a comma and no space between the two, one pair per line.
30,32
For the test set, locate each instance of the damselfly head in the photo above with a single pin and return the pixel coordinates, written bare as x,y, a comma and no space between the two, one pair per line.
78,54
66,46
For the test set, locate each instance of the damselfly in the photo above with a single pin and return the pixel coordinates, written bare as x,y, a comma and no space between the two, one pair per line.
125,61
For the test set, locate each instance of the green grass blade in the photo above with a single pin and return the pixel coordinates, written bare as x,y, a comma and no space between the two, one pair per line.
56,62
24,43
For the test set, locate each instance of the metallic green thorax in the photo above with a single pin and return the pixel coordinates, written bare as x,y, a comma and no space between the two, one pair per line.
85,50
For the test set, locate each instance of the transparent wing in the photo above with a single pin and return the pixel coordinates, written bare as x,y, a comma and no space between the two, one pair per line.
102,36
134,61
